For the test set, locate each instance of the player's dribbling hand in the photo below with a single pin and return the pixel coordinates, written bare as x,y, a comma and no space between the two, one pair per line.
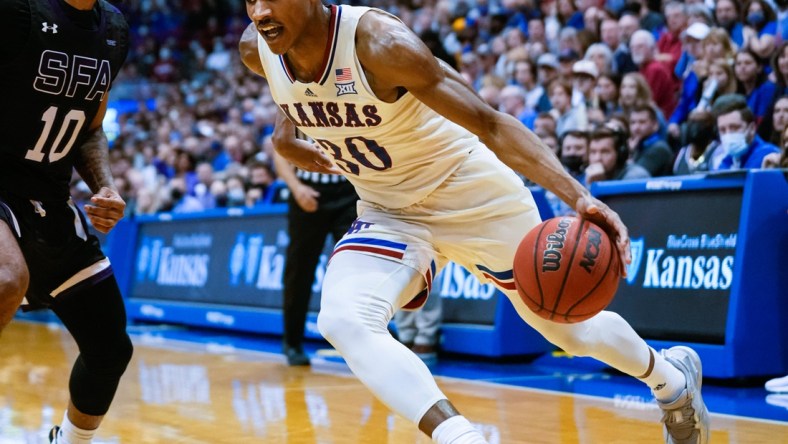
105,209
594,210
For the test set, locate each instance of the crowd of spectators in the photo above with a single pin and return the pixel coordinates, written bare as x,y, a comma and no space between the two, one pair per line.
619,89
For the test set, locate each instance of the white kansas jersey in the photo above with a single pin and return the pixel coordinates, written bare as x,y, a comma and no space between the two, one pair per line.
395,154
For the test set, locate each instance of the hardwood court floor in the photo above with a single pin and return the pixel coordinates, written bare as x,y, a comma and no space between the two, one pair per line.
182,392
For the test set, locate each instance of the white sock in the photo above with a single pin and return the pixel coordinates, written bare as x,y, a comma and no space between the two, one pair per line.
71,434
666,381
457,430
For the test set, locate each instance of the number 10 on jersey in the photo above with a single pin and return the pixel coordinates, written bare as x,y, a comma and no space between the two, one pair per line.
73,120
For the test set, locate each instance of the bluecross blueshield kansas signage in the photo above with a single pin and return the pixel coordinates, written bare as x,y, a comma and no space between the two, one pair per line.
240,261
683,251
232,261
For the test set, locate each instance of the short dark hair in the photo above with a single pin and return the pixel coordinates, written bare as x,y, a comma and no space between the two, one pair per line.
603,133
619,139
729,103
645,108
571,133
578,134
254,164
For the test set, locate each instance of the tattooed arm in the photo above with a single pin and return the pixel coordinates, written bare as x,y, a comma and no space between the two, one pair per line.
92,161
92,164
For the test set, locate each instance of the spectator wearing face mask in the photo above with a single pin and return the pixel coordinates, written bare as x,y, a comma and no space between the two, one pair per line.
574,153
181,201
759,33
741,147
236,191
696,155
263,185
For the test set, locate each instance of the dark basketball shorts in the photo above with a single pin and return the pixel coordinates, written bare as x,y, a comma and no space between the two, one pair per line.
61,256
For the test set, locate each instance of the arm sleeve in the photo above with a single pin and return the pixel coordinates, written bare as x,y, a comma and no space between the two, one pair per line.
14,27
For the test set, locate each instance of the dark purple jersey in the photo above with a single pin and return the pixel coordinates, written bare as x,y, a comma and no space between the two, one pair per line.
51,89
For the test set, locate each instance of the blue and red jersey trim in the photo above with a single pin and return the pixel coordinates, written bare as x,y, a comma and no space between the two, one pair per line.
394,250
421,298
502,279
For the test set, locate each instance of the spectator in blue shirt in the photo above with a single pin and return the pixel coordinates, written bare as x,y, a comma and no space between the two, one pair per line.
754,84
693,37
759,34
740,146
651,150
780,68
728,14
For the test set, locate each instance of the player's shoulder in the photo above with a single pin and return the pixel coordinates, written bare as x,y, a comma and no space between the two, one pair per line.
248,49
248,40
382,35
114,15
111,9
377,23
385,46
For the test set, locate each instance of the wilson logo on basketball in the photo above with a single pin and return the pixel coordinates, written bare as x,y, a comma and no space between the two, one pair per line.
566,269
551,257
592,250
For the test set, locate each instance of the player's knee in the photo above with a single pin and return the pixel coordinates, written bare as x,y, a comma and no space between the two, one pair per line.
112,358
121,354
14,280
331,325
576,346
340,325
574,339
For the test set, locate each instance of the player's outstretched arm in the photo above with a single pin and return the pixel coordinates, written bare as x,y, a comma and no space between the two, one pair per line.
92,163
394,57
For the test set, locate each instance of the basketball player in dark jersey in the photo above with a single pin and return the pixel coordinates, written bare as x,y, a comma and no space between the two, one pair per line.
58,59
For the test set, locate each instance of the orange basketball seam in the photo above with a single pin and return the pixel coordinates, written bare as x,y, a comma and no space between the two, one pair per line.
521,291
590,292
536,267
569,268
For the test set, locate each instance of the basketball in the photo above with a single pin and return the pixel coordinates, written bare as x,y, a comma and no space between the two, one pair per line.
566,269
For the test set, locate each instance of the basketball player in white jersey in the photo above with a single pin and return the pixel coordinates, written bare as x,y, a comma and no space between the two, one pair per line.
432,164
